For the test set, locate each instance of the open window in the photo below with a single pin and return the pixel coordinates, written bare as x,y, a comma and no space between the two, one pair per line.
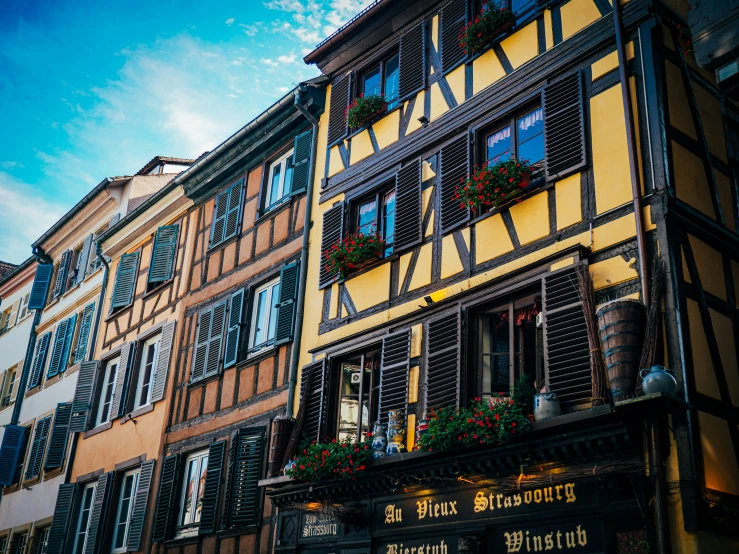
148,357
124,508
193,490
381,79
264,317
82,523
279,181
358,398
106,391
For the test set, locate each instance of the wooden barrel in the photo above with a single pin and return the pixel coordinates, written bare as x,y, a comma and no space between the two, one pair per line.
282,428
621,326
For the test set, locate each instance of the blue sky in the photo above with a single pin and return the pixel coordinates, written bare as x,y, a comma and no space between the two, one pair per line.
91,89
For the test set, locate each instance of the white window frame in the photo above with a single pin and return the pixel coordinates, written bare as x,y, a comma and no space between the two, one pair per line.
271,301
23,308
157,341
280,162
4,544
186,527
43,540
135,474
8,387
77,528
105,384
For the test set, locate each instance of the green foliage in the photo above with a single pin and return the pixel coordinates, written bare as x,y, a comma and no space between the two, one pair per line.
364,107
334,460
487,26
352,251
493,185
523,394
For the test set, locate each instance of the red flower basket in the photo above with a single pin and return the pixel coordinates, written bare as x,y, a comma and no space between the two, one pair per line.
492,22
493,185
355,251
364,108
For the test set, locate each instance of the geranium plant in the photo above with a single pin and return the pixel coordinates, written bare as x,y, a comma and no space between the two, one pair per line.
684,38
489,24
354,250
493,185
482,422
343,459
363,108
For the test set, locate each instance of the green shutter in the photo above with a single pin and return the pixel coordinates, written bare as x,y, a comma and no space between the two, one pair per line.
10,452
286,305
301,162
122,381
84,335
165,506
125,280
82,401
163,254
71,326
17,472
38,448
62,517
244,493
212,488
138,514
39,360
220,209
57,353
40,288
82,261
58,440
233,216
163,358
216,338
99,513
233,335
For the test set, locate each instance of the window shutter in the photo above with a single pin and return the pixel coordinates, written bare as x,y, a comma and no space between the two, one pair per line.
40,287
10,452
57,353
244,508
62,517
82,261
340,91
564,127
454,167
38,448
163,254
286,307
301,162
212,488
566,336
122,381
61,274
58,440
138,514
442,355
225,513
233,334
316,388
125,280
163,358
99,513
234,210
16,381
220,209
412,61
394,367
408,207
333,229
68,339
165,505
453,18
84,336
201,347
82,400
39,360
215,340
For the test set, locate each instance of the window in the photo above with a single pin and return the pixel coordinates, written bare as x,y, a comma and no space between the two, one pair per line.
382,79
192,494
149,356
3,544
10,385
376,214
521,137
83,520
5,320
264,317
23,309
129,487
359,387
226,214
21,542
42,543
73,267
279,182
106,391
522,8
95,262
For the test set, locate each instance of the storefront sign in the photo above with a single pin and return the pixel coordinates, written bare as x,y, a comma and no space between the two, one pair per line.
576,537
316,526
436,545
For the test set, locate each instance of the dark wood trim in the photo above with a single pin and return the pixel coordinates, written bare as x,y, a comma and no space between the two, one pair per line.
503,59
89,476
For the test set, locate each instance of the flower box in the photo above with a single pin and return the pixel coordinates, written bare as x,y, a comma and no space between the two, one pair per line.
363,109
492,186
492,22
354,252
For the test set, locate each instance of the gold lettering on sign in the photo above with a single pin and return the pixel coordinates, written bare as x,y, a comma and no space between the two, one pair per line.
393,515
518,541
432,508
400,548
485,501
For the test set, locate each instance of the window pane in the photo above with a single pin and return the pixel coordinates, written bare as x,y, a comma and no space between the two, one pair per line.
371,82
273,312
190,484
201,487
531,138
274,189
146,372
495,351
499,145
287,187
367,217
530,125
259,335
391,80
388,222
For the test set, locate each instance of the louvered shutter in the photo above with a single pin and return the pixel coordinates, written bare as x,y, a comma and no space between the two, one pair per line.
454,168
453,18
220,210
38,448
394,367
301,162
84,336
84,258
244,493
564,127
408,207
567,347
11,452
58,439
125,280
340,91
82,400
235,323
163,254
287,303
215,339
233,216
163,360
316,388
165,505
442,362
99,513
68,339
40,287
39,360
62,517
212,488
333,229
61,274
225,513
57,352
412,61
138,513
122,381
201,346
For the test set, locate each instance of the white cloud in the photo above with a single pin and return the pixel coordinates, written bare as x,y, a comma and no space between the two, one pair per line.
270,62
230,21
252,29
11,164
286,59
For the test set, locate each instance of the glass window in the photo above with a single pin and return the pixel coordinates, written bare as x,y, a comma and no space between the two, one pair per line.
10,385
149,357
383,80
279,183
83,520
392,74
388,220
106,391
370,219
358,394
129,486
371,82
264,317
20,543
3,544
43,541
367,217
192,494
522,138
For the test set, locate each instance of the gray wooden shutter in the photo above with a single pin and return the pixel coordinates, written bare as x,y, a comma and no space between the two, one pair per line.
82,400
39,360
68,339
333,229
233,217
10,452
408,207
38,448
454,167
61,274
566,339
163,359
314,424
453,18
82,261
201,345
138,514
442,361
122,381
84,336
340,91
215,339
125,280
564,127
233,334
163,254
244,507
225,513
301,162
286,308
412,61
40,287
212,488
165,506
58,439
62,518
394,368
220,209
99,513
57,352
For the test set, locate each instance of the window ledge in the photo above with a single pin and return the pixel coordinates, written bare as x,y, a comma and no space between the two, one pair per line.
204,380
243,530
98,429
229,240
118,311
138,412
276,209
158,288
258,357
